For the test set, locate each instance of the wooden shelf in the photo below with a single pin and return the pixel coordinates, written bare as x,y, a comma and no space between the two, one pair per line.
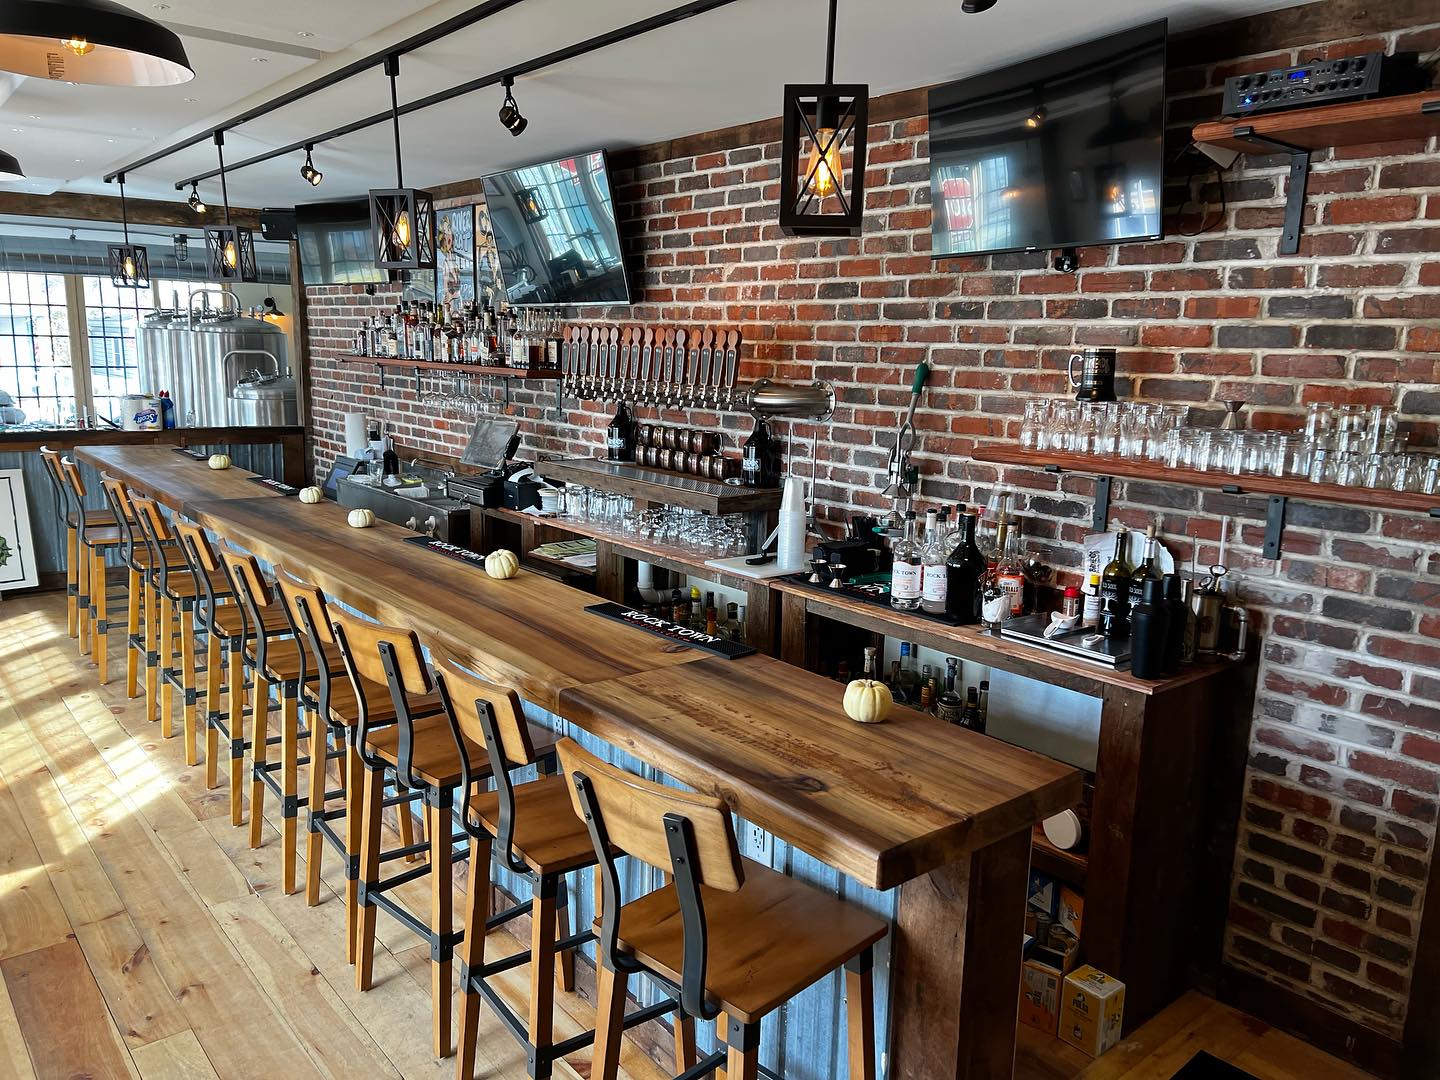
1289,487
657,485
1409,116
458,369
1071,867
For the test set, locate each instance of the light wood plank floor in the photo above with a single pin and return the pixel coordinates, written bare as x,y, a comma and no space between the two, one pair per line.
141,937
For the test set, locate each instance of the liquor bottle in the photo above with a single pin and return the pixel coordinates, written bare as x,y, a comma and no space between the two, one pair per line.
730,629
926,702
757,456
932,518
842,671
1178,629
1148,568
712,618
870,668
950,706
620,437
927,688
893,682
1010,574
679,608
983,699
970,717
697,612
964,567
910,671
904,678
1115,592
906,569
740,624
934,573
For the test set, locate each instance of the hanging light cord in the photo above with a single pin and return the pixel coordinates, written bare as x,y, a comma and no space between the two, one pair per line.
830,47
124,213
392,69
224,188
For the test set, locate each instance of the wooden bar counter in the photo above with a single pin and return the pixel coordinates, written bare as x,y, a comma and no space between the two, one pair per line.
940,812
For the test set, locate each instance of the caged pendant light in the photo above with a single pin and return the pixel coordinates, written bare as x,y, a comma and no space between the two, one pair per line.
402,220
129,263
229,249
97,42
821,122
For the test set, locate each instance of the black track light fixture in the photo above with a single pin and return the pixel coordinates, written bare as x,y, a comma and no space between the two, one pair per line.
194,201
308,172
510,112
974,7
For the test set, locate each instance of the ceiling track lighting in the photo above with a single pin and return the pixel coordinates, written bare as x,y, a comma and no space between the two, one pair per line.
10,167
129,263
402,220
229,248
510,117
96,42
974,7
308,172
194,201
821,121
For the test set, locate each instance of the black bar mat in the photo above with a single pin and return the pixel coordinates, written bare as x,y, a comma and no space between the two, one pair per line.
872,592
672,631
196,455
275,485
449,550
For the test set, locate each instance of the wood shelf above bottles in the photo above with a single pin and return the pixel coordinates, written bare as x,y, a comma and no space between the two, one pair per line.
496,371
1285,487
1349,123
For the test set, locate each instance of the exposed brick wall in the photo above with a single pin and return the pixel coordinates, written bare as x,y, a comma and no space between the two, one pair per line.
1341,795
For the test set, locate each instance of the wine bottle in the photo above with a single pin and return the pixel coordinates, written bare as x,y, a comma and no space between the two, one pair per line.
1115,592
963,570
1148,568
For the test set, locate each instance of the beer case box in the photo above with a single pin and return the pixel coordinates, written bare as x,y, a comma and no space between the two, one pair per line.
1092,1010
1043,894
1070,910
1040,986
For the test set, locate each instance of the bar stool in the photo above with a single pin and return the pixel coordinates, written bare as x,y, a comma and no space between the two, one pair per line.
333,699
70,517
540,839
422,753
735,937
227,627
94,539
279,660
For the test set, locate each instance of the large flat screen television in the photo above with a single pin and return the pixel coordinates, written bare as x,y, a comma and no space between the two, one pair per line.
335,244
555,233
1063,151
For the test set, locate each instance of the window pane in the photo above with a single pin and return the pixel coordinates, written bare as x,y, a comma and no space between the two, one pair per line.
112,317
35,345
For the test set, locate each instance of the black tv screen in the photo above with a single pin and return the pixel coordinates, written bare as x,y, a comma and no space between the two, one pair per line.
555,233
335,244
1066,150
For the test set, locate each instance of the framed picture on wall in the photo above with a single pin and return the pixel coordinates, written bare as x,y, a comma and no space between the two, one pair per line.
487,259
17,550
455,258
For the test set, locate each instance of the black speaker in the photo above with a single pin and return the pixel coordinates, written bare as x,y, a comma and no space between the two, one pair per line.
277,224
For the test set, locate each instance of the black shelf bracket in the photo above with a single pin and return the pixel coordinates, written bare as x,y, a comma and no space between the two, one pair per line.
1427,107
1435,511
1274,526
1101,517
1299,179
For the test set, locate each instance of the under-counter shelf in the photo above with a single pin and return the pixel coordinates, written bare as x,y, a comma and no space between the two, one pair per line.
657,485
459,369
1071,867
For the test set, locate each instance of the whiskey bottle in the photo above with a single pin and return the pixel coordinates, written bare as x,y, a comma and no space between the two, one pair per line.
872,663
906,569
1010,573
983,699
893,682
1115,592
950,706
935,574
964,569
971,718
730,629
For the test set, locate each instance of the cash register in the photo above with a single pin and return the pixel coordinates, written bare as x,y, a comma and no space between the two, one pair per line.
502,482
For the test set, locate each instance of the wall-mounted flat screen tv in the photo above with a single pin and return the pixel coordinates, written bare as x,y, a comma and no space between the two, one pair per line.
1066,150
335,244
555,233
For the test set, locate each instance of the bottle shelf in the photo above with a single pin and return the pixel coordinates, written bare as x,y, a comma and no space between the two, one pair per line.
459,369
1406,116
1285,487
1071,867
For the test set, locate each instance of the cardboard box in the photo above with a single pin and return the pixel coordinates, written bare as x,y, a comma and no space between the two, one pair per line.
1043,894
1040,995
1070,912
1092,1010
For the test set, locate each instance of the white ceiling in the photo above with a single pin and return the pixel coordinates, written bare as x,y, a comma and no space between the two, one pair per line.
725,67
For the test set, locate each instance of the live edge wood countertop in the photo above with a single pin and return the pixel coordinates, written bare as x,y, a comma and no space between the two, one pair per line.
884,803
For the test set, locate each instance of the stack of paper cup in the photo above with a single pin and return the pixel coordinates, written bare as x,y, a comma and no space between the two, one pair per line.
790,547
356,436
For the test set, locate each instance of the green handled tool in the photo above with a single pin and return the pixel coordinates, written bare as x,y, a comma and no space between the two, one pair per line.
899,467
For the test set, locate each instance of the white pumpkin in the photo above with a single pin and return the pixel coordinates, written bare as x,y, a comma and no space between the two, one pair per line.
867,701
502,564
219,461
360,518
311,494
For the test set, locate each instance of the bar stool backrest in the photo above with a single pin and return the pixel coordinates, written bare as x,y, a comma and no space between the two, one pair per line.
74,485
156,531
203,563
390,656
309,619
118,497
248,584
489,716
686,833
51,460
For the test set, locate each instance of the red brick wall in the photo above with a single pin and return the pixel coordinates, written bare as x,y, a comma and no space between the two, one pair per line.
1341,796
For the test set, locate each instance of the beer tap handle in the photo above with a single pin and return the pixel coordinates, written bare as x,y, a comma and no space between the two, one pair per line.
565,360
732,364
647,359
677,385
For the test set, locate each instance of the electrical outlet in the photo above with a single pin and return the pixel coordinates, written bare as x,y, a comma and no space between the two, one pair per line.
758,841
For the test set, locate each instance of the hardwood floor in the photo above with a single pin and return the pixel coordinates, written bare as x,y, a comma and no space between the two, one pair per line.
141,937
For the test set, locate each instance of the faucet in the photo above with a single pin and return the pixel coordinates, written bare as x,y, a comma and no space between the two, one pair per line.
231,303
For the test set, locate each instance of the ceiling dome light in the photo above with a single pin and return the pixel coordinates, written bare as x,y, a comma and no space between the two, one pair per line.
510,112
10,168
974,7
194,201
308,172
97,42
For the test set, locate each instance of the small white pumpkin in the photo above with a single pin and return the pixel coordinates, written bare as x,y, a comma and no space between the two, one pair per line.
502,564
311,494
360,518
219,461
867,701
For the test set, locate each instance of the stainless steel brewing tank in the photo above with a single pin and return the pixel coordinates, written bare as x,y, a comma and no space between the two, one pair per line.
190,362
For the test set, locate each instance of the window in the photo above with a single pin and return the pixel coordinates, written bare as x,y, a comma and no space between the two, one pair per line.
112,317
35,357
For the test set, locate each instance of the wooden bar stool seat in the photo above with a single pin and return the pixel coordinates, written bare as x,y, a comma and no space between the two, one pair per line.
230,620
548,837
735,938
433,756
289,660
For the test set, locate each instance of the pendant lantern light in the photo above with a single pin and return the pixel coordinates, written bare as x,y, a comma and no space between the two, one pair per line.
182,247
402,220
229,249
129,263
821,122
96,42
10,167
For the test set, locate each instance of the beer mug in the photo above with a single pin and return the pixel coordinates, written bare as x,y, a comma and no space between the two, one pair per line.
1096,379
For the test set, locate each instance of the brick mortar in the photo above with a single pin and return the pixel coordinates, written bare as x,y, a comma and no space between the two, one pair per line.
991,347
